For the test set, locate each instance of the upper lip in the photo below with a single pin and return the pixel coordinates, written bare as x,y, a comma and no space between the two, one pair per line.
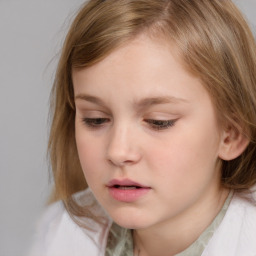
125,182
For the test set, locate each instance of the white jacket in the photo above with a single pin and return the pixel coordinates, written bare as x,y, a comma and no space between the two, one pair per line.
58,235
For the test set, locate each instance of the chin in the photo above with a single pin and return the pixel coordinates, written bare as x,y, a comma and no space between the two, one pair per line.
130,219
130,224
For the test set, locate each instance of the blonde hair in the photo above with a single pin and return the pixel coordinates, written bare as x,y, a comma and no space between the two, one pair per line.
214,42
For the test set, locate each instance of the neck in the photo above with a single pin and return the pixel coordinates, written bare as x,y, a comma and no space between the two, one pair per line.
175,235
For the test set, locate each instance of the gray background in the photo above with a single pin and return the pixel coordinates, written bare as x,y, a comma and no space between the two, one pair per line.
31,33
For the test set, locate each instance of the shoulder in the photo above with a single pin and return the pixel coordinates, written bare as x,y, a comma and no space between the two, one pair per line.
57,233
237,233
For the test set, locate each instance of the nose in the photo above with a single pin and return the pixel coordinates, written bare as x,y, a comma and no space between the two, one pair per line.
123,148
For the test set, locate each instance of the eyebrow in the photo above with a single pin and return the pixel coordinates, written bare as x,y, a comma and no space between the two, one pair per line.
141,104
91,99
147,102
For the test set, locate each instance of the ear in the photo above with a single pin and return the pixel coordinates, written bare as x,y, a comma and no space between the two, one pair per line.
233,143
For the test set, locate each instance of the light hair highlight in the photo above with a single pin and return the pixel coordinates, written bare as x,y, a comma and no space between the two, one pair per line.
214,43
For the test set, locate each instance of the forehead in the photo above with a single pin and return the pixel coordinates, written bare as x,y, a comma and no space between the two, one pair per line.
140,65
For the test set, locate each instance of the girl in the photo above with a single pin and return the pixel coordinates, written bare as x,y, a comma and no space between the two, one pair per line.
153,139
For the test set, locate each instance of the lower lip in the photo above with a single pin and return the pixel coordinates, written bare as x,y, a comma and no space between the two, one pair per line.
128,195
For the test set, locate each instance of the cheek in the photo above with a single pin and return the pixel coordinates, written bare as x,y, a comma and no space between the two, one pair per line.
89,154
185,155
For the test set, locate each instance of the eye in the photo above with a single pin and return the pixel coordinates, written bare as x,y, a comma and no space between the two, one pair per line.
95,122
160,124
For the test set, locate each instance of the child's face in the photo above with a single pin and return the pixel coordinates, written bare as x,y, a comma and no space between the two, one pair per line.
141,117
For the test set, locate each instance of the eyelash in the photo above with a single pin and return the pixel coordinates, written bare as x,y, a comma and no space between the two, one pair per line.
95,122
154,124
160,124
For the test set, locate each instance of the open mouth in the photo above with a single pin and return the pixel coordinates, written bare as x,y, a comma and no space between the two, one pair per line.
127,191
125,184
126,187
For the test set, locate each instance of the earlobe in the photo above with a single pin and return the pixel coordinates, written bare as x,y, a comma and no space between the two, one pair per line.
233,143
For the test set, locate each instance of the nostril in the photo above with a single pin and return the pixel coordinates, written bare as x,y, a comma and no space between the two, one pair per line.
122,154
119,161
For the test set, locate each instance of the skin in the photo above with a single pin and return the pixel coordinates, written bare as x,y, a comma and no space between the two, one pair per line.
178,161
